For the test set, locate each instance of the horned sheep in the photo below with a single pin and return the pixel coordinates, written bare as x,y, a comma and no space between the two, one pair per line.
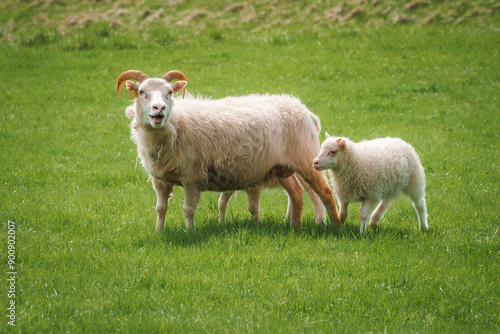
222,145
373,171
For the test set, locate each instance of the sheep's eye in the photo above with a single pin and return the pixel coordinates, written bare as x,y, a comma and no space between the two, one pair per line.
333,152
141,92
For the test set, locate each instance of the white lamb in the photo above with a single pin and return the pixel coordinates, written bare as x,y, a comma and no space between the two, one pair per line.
222,145
373,171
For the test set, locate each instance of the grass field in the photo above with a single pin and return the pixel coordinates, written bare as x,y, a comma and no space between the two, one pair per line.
88,258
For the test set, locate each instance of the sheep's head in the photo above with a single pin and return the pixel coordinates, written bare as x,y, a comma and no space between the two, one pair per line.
329,153
154,96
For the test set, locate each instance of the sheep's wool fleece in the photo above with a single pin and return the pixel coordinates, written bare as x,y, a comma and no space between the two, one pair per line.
228,144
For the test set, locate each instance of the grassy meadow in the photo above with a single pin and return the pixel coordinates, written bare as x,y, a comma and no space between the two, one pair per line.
88,258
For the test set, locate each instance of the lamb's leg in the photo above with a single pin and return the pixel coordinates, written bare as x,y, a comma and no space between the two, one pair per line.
379,212
253,202
319,209
163,192
223,200
421,209
318,183
191,198
295,191
364,214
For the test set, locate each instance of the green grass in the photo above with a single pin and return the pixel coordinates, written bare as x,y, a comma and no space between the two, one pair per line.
89,259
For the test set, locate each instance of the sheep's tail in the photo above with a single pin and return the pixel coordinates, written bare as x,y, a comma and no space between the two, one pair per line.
316,122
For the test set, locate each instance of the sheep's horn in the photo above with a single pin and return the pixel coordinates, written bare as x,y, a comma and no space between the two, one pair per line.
132,74
175,75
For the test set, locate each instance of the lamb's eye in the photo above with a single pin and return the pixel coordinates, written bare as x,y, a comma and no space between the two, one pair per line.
333,152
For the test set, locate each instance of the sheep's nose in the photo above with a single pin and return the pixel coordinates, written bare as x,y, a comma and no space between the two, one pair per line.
315,162
159,107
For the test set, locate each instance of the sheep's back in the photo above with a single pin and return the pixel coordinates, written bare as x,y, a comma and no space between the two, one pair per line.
242,138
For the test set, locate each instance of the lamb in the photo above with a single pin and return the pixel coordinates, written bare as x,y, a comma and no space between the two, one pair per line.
253,194
222,145
373,171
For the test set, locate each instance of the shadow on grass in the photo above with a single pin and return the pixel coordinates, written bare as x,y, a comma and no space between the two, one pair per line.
207,231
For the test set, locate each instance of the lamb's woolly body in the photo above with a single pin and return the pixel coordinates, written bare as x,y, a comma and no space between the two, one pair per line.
373,171
380,168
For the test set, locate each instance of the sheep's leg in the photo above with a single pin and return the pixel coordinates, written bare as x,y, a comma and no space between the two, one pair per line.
253,202
295,191
223,200
421,209
317,182
289,207
191,198
343,211
364,214
379,213
163,193
319,209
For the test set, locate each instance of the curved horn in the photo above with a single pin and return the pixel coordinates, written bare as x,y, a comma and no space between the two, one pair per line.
175,75
132,74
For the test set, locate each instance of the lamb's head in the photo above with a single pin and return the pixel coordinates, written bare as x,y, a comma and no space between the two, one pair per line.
330,153
153,95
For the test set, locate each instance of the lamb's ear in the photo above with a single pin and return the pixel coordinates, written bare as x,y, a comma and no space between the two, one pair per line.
341,143
179,85
132,88
327,135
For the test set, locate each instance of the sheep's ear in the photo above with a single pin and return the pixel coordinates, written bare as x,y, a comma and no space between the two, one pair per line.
327,135
132,89
130,112
131,85
179,85
341,143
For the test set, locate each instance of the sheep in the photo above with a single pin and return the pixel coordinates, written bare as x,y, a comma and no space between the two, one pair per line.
253,200
373,171
221,145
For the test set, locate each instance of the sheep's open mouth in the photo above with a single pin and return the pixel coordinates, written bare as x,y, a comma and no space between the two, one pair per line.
157,119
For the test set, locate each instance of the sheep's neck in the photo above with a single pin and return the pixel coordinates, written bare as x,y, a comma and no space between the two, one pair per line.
157,147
